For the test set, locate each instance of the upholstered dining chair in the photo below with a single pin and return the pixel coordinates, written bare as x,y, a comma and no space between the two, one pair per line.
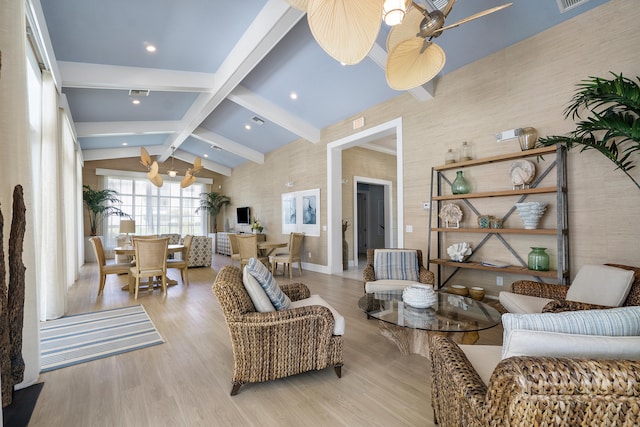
294,255
233,242
248,248
151,261
118,268
182,264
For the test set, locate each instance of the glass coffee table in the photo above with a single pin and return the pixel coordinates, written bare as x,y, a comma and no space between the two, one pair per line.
409,326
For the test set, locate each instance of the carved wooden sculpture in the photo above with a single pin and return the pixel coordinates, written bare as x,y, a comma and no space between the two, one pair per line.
12,300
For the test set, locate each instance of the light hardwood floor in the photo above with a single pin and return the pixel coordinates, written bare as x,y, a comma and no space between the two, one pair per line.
186,381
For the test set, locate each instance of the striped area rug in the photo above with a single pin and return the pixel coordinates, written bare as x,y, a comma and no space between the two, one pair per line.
84,337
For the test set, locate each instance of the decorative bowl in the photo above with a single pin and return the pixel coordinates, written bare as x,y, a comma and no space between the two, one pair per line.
477,293
458,290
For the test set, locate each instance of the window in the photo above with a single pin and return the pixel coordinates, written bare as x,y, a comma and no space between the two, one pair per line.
168,209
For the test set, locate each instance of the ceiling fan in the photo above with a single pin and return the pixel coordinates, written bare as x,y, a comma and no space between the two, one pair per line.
153,170
347,30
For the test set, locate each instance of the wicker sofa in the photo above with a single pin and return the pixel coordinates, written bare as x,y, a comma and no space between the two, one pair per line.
276,344
532,391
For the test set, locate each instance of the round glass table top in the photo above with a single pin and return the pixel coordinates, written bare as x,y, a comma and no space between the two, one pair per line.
451,313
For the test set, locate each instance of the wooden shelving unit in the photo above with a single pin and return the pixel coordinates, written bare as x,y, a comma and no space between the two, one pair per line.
437,255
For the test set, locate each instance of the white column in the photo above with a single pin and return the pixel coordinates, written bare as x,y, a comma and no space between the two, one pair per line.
15,165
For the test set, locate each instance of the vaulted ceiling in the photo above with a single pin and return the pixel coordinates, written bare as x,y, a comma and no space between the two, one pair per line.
221,80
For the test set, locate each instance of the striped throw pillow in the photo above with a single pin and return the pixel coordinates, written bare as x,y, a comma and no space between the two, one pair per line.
262,274
621,321
396,264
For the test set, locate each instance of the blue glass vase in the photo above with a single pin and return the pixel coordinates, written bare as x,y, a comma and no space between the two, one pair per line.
460,185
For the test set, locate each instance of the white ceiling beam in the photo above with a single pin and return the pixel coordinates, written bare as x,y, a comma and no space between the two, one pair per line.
226,144
272,23
421,93
87,129
99,76
270,111
207,164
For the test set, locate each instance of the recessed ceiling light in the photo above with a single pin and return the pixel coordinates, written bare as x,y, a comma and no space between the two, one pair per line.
135,101
206,155
293,96
247,127
124,144
150,48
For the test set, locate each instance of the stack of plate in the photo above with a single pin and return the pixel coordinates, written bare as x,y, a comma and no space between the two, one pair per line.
419,296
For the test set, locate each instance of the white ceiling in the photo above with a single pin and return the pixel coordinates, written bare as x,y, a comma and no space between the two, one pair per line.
219,64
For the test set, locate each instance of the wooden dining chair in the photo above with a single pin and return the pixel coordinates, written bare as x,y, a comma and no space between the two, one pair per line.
151,261
248,248
233,243
183,263
294,255
118,268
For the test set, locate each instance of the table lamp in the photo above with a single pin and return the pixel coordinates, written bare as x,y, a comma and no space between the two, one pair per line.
127,226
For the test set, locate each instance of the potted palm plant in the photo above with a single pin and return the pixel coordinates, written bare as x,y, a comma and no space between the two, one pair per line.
613,128
99,204
213,204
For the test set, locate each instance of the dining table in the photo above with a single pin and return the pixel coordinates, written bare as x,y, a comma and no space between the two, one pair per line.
131,250
267,248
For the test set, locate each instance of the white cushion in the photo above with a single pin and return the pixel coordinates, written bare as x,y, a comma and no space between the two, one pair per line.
623,321
262,274
338,324
601,284
517,303
396,264
258,296
388,285
483,358
556,344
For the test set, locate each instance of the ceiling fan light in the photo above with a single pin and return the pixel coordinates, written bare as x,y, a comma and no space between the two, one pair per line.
173,173
393,12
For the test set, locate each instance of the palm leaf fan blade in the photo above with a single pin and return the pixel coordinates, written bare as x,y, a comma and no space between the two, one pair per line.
407,67
345,29
407,29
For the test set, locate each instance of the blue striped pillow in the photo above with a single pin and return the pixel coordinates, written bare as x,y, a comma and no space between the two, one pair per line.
396,264
620,321
262,274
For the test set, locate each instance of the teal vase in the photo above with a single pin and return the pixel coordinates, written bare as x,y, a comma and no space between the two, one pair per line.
460,185
538,259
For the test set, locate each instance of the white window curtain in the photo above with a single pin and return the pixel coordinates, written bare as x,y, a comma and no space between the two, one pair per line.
52,277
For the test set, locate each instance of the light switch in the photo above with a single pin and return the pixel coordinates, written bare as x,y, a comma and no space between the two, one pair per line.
409,228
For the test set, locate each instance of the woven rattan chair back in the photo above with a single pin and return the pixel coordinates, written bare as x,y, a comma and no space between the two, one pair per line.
247,247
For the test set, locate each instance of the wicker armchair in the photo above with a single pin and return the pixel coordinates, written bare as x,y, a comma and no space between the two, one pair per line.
277,344
532,391
369,275
558,293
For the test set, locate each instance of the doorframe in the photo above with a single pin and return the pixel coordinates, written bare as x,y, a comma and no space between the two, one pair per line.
388,211
334,186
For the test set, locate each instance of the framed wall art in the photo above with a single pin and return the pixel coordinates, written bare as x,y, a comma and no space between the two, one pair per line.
301,212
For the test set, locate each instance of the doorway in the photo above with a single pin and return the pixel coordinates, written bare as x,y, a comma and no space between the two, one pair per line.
373,227
334,189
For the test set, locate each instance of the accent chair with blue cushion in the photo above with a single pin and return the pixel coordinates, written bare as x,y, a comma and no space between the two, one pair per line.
276,330
394,269
562,369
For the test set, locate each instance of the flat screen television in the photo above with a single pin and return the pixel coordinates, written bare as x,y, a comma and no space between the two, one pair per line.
243,215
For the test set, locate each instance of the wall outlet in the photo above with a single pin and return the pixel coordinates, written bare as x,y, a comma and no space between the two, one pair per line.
309,254
409,228
499,281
